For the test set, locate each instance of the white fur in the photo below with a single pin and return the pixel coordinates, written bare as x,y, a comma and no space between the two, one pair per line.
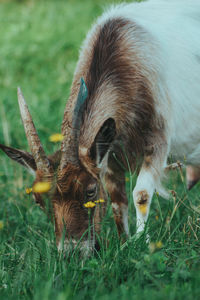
146,183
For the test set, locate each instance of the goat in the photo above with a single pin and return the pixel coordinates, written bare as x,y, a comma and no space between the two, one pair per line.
136,104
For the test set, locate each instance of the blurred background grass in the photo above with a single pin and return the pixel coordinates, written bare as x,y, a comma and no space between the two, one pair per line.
39,49
40,42
39,46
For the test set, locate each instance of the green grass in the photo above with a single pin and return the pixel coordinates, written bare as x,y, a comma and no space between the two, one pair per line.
39,42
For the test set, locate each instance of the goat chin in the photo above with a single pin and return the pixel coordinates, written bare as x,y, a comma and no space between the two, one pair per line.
86,247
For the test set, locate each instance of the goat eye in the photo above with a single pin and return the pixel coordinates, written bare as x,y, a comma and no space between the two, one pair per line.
91,193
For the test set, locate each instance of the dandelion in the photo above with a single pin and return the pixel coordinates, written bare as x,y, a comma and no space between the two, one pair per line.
41,187
56,137
89,204
127,179
155,246
159,244
28,190
156,217
1,225
100,201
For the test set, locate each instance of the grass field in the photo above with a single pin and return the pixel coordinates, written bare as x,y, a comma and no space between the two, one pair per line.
39,43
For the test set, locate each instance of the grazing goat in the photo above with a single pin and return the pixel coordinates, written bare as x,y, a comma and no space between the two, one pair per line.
135,100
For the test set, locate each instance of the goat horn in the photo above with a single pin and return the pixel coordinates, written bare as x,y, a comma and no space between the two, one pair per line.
36,148
69,147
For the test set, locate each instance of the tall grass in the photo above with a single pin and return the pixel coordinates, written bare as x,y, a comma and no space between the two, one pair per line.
39,42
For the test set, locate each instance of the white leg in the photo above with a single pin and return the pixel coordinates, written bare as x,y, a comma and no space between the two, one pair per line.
148,180
142,195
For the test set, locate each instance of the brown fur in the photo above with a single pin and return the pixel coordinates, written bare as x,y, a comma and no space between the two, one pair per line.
112,92
117,193
110,73
192,175
116,207
143,197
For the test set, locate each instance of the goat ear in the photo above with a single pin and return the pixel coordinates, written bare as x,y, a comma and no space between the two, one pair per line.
22,157
103,140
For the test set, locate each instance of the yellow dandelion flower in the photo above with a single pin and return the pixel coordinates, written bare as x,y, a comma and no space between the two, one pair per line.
56,137
159,244
100,201
41,187
89,204
156,217
155,246
127,179
1,225
28,190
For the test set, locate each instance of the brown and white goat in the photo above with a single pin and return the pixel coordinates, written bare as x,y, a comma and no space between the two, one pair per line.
138,103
